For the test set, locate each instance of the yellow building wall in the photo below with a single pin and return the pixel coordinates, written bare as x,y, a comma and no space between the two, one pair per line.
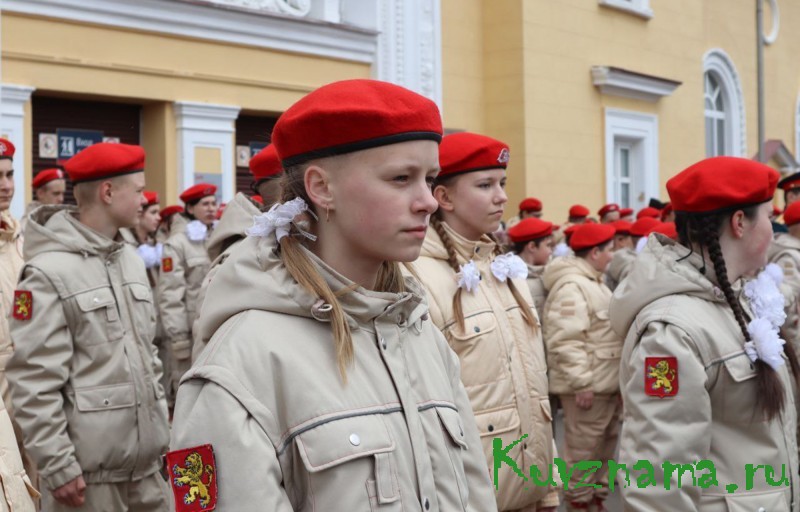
538,94
84,60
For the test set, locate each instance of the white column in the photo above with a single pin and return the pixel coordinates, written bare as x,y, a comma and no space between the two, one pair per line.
410,45
12,125
204,125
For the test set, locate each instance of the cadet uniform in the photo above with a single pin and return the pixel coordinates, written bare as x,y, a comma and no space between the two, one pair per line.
85,371
184,265
583,355
169,222
502,358
40,180
690,389
533,231
399,434
785,252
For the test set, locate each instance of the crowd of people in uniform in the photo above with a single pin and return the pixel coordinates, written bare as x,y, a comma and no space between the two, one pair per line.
366,333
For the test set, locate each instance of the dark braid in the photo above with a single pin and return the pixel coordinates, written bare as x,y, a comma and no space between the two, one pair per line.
704,231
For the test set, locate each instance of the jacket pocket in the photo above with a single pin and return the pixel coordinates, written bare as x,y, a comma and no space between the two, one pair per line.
768,501
103,426
740,388
453,430
144,313
479,349
18,493
496,423
99,320
353,449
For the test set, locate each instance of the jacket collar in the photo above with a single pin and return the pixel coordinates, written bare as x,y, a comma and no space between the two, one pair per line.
466,250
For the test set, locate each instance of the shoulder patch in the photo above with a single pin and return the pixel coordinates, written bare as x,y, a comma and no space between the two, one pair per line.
166,264
23,305
193,478
661,376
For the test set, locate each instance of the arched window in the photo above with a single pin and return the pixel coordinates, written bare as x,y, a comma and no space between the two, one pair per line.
724,106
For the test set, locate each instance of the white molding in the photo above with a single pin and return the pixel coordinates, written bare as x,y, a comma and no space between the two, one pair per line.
12,124
630,84
208,126
297,8
721,65
216,23
639,8
776,23
410,45
641,130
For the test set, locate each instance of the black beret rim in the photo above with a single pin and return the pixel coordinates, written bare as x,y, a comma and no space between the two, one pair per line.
112,175
352,147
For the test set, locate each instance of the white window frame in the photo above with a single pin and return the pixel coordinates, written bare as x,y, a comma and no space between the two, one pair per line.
619,180
641,130
639,8
719,63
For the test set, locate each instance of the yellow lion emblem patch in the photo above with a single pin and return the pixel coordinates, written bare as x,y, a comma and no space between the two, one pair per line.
192,478
661,376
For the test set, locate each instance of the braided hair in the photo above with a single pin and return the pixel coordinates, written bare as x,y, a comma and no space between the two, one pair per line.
704,231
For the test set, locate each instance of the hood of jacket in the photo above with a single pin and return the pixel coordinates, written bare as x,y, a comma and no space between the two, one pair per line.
568,266
433,247
57,229
237,217
660,270
255,278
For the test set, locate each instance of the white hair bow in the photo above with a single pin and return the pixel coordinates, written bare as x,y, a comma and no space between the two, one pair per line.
469,277
766,301
196,231
509,266
279,219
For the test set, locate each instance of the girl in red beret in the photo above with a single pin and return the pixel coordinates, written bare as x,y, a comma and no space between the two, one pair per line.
583,359
479,299
532,240
325,385
707,377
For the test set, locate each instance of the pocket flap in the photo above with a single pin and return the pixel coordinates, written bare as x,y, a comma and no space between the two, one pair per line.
104,398
342,440
141,292
474,326
95,299
497,422
602,314
546,408
608,353
757,501
741,368
451,423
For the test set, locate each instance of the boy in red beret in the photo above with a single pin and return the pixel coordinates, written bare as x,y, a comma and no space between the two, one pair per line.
785,252
85,369
532,240
609,213
583,359
49,187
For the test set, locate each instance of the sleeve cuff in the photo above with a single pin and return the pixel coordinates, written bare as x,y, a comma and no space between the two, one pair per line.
66,475
551,500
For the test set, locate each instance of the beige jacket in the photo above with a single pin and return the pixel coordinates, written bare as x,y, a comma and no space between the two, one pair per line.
667,308
236,219
289,435
10,266
785,252
619,267
85,373
582,350
536,287
179,288
502,364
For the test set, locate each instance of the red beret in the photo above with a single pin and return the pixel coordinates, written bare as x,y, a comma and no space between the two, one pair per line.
353,115
46,176
105,160
198,192
790,182
169,211
578,210
649,211
265,164
529,229
220,210
792,214
644,226
258,199
151,198
571,229
591,235
776,211
530,204
467,152
7,149
612,207
623,227
668,229
720,183
625,212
